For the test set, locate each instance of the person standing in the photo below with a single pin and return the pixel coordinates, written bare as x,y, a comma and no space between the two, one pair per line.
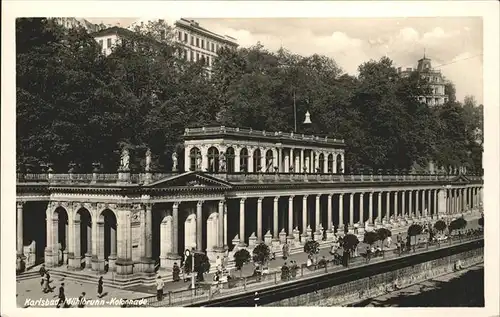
46,281
285,250
61,296
159,288
81,300
100,287
42,275
176,272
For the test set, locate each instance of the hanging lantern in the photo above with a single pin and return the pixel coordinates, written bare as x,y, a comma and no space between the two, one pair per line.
308,118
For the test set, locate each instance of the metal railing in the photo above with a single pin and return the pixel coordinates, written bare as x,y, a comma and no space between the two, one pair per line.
240,285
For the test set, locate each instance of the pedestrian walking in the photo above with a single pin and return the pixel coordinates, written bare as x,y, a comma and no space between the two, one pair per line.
61,296
46,282
159,288
176,272
286,250
81,300
100,287
42,275
293,269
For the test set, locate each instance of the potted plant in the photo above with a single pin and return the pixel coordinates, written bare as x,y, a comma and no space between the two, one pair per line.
241,257
261,255
311,247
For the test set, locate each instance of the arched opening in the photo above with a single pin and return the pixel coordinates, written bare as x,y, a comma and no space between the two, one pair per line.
230,159
62,235
330,163
269,161
244,160
85,225
257,160
339,164
321,163
194,159
213,160
108,222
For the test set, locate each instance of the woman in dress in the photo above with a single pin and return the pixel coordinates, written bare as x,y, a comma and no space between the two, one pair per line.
100,287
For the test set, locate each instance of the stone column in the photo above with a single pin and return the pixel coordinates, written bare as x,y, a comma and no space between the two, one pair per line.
325,162
199,226
250,168
242,222
301,164
259,219
316,160
370,208
361,209
237,167
317,214
225,224
351,211
70,238
275,219
263,152
288,161
429,203
304,216
388,201
220,240
436,212
403,204
290,217
417,203
379,207
149,231
341,213
334,163
49,247
410,207
396,204
329,215
175,228
74,254
307,164
20,237
124,262
204,158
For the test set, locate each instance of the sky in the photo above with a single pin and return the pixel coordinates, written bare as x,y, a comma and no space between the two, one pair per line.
454,44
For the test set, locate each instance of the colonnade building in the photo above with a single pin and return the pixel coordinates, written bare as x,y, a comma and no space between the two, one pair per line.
238,188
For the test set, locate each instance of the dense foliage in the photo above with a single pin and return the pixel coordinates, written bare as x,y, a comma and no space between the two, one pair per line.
311,247
74,105
241,257
440,225
261,254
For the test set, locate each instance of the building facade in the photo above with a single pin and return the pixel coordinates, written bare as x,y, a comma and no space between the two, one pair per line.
198,43
131,223
435,79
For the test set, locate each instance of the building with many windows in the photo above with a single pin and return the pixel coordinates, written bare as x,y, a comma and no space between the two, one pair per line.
237,188
198,43
435,79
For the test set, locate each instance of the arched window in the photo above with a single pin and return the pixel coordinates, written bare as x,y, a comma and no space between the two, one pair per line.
230,160
269,161
339,164
194,158
321,163
330,163
256,160
244,160
213,160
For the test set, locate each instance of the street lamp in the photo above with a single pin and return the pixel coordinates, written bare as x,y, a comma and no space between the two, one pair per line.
188,253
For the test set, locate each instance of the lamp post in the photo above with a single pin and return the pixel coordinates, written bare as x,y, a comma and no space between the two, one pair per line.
191,253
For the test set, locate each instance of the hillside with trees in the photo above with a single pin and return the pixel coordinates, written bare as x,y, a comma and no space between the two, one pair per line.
76,106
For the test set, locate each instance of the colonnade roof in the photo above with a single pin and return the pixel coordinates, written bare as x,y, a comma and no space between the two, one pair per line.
200,182
284,138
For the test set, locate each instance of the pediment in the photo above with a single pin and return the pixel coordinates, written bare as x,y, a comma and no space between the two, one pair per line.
190,180
460,179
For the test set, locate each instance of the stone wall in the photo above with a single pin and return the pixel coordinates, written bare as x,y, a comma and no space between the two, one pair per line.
381,283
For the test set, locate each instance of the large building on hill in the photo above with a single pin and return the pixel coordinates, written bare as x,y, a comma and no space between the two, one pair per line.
436,81
199,44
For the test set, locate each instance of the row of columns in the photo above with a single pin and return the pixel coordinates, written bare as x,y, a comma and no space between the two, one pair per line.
421,198
283,158
455,201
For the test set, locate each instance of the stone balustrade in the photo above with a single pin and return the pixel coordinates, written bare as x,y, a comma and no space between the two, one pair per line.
138,178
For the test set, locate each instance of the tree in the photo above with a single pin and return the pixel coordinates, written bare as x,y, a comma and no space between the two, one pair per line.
311,247
350,242
383,233
370,237
457,224
261,254
440,226
414,230
201,265
241,257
